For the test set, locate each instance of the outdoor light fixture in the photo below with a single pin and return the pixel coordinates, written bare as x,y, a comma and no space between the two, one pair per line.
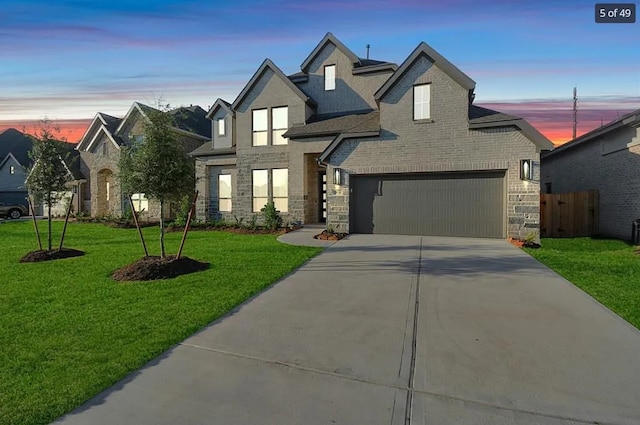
526,169
337,176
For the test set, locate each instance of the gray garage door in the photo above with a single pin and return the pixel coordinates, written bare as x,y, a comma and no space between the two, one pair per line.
446,204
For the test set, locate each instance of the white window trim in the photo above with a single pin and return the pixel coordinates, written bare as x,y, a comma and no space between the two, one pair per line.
222,127
419,104
12,169
330,77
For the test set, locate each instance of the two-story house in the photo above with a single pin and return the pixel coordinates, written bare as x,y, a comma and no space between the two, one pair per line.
371,147
100,148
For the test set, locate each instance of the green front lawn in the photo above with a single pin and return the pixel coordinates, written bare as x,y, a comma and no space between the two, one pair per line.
608,270
67,331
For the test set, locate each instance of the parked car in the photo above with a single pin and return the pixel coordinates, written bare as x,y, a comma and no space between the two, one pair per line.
12,210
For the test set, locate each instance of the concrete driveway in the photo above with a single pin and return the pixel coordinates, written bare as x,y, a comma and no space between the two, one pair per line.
396,330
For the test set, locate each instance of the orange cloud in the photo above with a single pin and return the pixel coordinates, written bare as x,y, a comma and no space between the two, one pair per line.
68,130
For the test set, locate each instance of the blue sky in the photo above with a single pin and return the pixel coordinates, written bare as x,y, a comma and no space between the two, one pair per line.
68,59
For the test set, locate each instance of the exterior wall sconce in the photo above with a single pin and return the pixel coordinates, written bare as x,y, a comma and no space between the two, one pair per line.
526,169
337,176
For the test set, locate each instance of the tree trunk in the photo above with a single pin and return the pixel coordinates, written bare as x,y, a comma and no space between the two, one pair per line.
162,228
49,222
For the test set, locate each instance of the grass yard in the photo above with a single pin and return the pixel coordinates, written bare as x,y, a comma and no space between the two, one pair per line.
608,270
67,331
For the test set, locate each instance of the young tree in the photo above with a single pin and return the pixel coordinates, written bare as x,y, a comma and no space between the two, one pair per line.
48,177
157,166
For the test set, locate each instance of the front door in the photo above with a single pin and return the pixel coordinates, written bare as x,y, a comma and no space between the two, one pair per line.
322,196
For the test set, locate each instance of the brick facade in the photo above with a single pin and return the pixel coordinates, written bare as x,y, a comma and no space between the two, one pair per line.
99,163
444,143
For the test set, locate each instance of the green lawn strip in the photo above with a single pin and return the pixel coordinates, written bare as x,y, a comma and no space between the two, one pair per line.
67,331
608,270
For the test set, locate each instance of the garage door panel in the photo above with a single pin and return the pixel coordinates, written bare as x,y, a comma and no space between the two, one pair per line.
460,204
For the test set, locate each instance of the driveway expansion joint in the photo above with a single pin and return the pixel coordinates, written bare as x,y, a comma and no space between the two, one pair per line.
409,389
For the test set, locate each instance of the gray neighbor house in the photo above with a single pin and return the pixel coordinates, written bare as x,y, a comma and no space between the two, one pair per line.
368,146
606,159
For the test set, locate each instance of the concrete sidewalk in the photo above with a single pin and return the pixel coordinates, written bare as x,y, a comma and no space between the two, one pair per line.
498,339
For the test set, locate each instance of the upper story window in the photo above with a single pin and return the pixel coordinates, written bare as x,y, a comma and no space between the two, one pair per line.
422,102
279,125
12,169
105,148
260,127
330,77
222,129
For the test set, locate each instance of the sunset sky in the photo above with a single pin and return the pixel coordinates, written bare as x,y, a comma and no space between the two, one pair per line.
69,59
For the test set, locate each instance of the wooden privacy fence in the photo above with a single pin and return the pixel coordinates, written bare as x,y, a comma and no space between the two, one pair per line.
569,215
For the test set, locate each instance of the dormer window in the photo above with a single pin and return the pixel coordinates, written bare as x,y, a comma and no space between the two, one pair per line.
222,130
330,77
12,169
422,102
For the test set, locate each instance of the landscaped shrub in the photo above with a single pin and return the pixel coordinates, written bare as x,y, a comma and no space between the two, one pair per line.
271,216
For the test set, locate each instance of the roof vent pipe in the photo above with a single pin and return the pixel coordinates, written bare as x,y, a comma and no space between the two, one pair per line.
368,46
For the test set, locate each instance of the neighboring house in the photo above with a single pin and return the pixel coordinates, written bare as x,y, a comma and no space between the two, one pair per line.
100,149
14,161
71,162
370,147
606,159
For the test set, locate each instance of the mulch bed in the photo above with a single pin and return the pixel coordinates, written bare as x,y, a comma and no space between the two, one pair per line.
238,230
330,236
37,256
523,244
154,268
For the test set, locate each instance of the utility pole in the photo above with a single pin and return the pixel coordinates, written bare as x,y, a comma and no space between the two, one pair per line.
575,111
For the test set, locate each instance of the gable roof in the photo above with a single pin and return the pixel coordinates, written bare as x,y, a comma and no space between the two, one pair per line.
18,144
480,117
135,107
329,39
219,103
6,160
360,65
631,119
320,126
107,123
258,74
424,49
71,162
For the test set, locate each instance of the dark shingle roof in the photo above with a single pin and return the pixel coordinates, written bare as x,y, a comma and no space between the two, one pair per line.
327,126
207,149
632,118
188,118
478,114
192,119
73,163
112,123
18,144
